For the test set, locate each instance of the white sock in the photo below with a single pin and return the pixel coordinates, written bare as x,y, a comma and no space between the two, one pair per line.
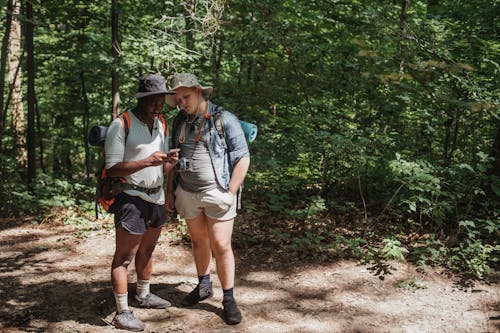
121,302
142,289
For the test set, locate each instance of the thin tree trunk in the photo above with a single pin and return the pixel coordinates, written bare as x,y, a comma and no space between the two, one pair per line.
447,141
86,112
189,24
115,51
455,136
402,23
3,66
217,52
495,153
15,82
30,62
39,134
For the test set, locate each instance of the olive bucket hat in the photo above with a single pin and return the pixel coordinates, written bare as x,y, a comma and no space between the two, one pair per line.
151,84
185,80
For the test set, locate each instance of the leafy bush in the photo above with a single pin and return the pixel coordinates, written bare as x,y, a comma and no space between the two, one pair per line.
424,197
474,258
47,194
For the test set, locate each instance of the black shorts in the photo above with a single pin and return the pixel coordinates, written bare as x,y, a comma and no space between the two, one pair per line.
136,215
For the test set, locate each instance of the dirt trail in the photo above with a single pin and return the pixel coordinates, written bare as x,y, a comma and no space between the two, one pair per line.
53,281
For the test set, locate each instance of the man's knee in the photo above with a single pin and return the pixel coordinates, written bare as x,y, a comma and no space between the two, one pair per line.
122,260
200,242
221,248
146,252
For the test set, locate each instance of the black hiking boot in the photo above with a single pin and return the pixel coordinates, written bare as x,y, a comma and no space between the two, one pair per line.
197,295
231,314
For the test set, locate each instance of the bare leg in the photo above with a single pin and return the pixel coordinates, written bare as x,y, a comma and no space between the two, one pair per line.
202,253
144,256
126,248
219,233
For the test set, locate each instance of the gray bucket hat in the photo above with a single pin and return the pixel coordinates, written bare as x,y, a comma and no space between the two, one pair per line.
151,84
185,80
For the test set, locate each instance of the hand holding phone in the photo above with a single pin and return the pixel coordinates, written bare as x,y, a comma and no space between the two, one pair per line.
173,155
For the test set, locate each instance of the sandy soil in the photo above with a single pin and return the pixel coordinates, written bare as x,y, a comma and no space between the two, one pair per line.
55,278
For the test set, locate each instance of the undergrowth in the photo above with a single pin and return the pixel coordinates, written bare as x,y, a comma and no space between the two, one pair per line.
312,231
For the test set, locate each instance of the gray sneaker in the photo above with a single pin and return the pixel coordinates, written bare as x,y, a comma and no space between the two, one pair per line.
151,301
125,320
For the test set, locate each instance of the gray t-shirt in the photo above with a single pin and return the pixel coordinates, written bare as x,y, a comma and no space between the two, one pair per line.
201,177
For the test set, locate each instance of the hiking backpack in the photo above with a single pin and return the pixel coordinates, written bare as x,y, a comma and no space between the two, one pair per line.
107,188
218,122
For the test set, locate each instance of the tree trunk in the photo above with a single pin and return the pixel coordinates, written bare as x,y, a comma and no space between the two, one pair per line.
447,141
11,85
30,62
86,112
15,82
189,24
115,51
3,65
217,52
402,23
495,153
39,133
456,126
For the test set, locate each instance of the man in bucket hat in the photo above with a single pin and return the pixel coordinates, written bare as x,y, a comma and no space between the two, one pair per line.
140,156
209,174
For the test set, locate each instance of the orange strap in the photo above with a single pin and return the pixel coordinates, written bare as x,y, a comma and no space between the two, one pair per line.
164,123
125,119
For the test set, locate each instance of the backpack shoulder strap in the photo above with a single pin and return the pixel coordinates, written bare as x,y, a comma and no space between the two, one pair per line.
176,125
164,123
219,125
125,120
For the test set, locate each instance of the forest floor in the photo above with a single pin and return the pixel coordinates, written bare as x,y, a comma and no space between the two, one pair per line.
55,278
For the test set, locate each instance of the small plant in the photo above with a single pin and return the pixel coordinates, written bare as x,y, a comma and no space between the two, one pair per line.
316,206
412,284
379,258
180,233
473,257
430,252
393,250
354,246
310,244
425,196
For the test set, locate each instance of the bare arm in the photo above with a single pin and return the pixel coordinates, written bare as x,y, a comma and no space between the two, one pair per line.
172,158
239,173
126,168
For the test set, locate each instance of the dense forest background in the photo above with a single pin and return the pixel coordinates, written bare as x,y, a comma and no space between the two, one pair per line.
379,125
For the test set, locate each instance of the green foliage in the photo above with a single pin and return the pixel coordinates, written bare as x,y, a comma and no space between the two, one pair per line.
413,284
430,252
313,209
308,244
424,189
393,250
180,232
47,194
474,258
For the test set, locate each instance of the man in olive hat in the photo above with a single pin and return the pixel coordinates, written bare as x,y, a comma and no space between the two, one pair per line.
140,156
214,159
